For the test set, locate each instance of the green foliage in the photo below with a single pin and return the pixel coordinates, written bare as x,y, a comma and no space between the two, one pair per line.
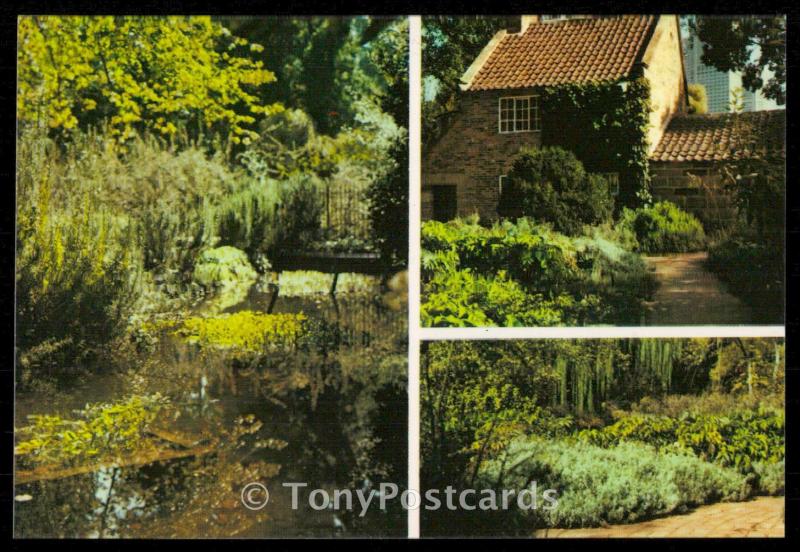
323,64
771,477
222,267
755,172
449,45
714,403
102,432
698,99
736,440
524,274
77,270
550,185
388,209
505,413
607,131
737,258
476,397
664,228
245,331
754,366
157,73
748,44
621,484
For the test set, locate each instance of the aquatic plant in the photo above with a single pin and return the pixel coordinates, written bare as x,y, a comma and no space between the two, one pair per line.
100,431
244,330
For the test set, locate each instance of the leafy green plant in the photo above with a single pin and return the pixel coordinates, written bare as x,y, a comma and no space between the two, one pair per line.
771,477
664,228
739,255
82,70
246,331
736,440
550,185
101,432
525,274
607,131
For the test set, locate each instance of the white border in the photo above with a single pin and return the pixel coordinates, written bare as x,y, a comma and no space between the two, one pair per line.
602,332
414,217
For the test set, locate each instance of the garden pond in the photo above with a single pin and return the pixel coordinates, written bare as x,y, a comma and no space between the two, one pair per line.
331,413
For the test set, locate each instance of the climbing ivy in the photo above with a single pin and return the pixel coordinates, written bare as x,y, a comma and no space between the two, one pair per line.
605,125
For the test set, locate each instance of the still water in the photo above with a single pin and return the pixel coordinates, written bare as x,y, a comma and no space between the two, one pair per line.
333,416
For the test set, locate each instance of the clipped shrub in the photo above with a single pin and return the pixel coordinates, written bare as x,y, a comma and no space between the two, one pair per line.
550,185
664,228
621,484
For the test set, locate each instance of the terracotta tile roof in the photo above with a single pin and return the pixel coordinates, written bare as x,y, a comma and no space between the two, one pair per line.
711,138
569,51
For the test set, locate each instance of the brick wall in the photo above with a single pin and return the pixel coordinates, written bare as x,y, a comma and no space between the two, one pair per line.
702,196
472,155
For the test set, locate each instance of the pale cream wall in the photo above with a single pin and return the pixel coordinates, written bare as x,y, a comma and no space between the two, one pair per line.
664,71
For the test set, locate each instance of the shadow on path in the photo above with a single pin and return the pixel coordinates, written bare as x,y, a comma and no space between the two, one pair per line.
688,293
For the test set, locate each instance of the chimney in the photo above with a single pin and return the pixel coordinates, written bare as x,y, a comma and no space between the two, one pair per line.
520,24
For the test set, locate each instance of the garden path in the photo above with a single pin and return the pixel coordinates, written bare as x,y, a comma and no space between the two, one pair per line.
762,517
688,293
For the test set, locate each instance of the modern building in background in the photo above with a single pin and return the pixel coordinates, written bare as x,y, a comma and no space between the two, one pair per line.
721,87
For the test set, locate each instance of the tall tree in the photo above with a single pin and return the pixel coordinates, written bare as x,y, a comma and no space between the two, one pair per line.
750,45
389,194
450,45
323,65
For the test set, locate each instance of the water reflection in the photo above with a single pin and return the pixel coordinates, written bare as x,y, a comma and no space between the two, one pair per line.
330,412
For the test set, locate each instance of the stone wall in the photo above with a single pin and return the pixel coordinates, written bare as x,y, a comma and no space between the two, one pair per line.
696,188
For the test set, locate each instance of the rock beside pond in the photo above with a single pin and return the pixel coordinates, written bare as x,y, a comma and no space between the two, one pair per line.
224,268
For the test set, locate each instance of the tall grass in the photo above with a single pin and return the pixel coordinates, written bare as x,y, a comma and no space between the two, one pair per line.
78,267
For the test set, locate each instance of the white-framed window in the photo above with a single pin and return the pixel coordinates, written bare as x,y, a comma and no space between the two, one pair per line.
613,182
518,114
501,181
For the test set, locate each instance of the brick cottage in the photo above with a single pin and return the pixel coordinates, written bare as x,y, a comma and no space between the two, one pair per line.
499,112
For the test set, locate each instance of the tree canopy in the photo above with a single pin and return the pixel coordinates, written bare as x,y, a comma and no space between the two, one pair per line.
747,44
134,73
450,45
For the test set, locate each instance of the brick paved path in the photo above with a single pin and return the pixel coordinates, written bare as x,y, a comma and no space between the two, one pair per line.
689,294
762,517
